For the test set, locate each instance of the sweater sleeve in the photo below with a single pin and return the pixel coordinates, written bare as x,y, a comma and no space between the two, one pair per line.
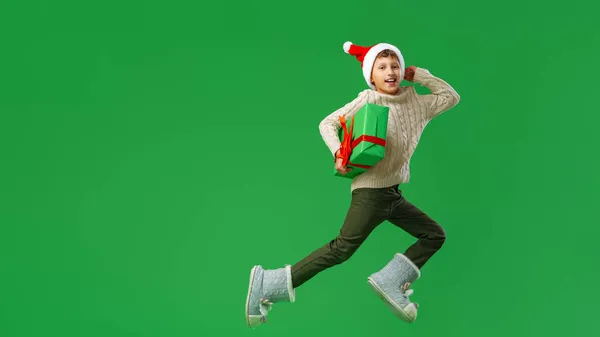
442,97
330,125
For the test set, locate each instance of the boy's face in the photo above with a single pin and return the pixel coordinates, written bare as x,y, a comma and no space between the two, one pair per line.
386,75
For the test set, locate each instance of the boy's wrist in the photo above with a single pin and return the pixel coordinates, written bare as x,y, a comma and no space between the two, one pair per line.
420,74
337,156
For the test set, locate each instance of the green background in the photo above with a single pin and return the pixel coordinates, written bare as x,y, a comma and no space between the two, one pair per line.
153,152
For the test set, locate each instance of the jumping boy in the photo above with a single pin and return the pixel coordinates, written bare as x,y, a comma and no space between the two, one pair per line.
376,196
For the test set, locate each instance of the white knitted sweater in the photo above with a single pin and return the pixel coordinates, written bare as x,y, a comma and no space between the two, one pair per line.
409,113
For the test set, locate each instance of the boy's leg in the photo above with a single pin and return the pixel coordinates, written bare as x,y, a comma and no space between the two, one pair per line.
430,235
369,208
367,211
392,282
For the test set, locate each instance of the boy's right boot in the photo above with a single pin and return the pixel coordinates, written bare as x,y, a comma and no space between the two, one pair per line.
266,288
391,284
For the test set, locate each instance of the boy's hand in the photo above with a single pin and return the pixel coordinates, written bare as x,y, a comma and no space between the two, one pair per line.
343,170
409,73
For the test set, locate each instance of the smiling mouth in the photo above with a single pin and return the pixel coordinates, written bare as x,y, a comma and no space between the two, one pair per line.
390,81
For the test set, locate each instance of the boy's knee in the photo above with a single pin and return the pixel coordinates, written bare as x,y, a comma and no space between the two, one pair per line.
342,250
440,237
437,238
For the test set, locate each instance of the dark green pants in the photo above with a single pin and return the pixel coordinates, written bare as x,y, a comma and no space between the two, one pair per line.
369,208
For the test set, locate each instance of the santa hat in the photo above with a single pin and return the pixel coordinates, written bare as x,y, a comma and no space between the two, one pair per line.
366,57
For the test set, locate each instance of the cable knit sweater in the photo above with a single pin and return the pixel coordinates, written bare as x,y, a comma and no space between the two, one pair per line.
409,113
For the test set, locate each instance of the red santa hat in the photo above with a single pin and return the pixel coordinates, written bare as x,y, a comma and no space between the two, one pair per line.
366,57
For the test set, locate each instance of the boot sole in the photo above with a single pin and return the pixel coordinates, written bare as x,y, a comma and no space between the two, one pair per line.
388,302
248,296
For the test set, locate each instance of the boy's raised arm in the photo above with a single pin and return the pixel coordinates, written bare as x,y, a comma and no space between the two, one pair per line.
330,125
442,97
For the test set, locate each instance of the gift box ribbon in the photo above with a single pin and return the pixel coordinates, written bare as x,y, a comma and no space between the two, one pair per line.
348,144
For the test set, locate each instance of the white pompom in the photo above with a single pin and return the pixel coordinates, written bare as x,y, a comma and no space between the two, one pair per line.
347,46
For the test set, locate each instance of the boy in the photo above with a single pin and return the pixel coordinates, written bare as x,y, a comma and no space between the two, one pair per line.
376,196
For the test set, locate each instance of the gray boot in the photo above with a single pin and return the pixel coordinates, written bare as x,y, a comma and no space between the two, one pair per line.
266,288
391,285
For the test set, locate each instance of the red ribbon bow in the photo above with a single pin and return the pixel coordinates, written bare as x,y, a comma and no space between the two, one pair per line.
348,144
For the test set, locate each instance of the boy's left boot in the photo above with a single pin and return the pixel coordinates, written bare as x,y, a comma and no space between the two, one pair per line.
266,288
392,284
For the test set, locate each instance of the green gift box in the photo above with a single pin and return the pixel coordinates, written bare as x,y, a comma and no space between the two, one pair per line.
368,129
